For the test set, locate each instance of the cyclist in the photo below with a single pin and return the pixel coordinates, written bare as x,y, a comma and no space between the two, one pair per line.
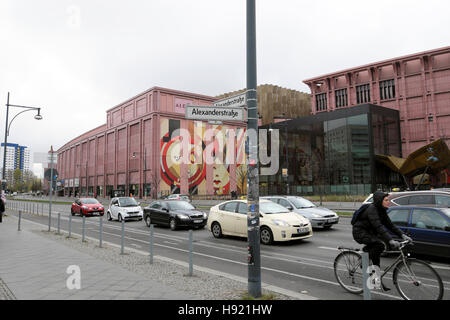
370,228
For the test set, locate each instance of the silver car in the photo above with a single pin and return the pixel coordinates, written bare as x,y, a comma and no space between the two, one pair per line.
319,217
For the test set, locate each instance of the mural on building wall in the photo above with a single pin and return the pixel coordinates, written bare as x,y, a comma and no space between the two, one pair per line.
171,158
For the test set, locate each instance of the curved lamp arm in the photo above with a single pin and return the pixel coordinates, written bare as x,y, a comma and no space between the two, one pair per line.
37,117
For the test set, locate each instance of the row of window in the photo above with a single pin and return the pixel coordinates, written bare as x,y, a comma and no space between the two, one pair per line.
387,91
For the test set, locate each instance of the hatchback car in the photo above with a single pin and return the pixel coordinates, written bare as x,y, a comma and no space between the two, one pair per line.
175,214
276,222
320,217
429,227
435,198
124,208
87,207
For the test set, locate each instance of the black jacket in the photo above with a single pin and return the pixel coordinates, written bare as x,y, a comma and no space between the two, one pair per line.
2,206
372,223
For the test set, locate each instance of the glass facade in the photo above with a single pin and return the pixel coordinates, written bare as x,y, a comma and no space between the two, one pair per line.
334,152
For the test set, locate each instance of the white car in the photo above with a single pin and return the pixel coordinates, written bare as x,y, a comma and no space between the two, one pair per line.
124,208
369,199
276,222
320,217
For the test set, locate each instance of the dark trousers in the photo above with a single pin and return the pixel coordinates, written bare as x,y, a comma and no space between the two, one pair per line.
375,249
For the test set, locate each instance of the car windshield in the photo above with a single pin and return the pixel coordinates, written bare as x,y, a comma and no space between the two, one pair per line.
301,203
271,207
180,205
89,201
127,202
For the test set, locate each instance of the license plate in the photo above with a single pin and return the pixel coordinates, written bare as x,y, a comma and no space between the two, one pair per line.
198,221
301,230
332,220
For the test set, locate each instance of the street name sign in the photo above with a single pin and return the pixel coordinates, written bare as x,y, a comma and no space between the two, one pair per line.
208,113
237,101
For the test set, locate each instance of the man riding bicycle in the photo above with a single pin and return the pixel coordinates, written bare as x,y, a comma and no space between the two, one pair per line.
370,228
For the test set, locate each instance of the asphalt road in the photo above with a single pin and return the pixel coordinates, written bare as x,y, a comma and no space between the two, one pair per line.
304,266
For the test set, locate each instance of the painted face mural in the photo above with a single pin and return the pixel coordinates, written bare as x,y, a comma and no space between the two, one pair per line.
171,146
171,157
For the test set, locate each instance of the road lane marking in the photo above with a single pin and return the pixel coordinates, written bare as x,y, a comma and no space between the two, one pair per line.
170,242
328,248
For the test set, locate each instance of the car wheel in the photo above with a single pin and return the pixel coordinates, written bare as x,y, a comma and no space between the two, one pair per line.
71,211
173,224
216,230
148,221
266,236
108,215
119,218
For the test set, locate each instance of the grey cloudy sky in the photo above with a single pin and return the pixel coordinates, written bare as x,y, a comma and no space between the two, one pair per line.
77,58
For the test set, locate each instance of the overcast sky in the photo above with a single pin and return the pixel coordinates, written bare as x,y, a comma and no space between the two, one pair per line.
76,59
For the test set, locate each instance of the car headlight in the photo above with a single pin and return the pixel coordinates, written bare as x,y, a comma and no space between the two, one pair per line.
85,208
182,216
315,215
281,223
205,216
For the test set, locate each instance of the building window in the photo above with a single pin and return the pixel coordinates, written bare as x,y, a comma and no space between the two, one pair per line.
363,94
321,102
341,98
387,89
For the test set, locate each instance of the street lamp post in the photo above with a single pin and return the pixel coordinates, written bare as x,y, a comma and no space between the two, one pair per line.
8,126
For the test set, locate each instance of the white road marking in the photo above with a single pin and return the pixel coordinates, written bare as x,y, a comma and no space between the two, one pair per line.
170,242
328,248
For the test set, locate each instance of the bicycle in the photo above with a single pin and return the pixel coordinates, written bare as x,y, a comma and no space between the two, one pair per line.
414,279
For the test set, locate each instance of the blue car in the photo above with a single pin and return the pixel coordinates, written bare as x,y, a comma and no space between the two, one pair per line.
428,227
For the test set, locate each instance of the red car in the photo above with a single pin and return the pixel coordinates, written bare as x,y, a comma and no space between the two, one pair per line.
87,207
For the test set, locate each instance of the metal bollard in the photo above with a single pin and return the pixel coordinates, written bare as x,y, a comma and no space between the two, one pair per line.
59,222
151,243
20,218
123,236
101,231
84,227
70,225
365,267
190,253
49,220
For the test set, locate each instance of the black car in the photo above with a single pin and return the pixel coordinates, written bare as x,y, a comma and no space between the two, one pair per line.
429,227
175,214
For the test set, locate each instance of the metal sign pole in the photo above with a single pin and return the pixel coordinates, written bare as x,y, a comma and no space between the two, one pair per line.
365,267
51,188
254,263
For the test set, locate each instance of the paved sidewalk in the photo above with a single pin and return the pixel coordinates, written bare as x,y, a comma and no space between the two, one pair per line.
34,268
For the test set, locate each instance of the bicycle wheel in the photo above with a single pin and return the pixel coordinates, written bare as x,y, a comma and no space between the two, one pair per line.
417,280
348,271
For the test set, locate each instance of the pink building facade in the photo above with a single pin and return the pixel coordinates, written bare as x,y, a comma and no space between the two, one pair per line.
417,85
138,151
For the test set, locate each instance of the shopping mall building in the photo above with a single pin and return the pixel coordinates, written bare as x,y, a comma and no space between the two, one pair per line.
328,144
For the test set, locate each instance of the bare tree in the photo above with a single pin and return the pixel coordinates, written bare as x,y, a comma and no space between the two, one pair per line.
154,184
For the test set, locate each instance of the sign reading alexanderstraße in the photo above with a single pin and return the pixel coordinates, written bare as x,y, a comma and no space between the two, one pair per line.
206,113
236,101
